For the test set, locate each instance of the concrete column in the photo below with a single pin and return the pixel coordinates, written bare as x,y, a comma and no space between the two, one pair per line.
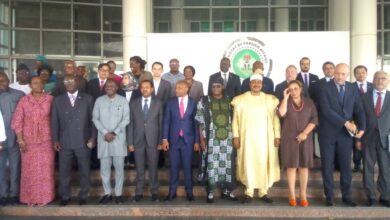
339,15
135,25
177,17
282,16
262,25
364,35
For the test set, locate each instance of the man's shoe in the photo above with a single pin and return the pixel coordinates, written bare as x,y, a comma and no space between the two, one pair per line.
329,202
349,202
155,198
119,200
64,202
229,196
247,199
356,169
190,197
170,198
266,199
210,198
13,201
82,201
370,202
137,198
3,201
384,202
105,199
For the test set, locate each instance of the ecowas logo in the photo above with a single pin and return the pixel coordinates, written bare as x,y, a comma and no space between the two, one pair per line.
243,52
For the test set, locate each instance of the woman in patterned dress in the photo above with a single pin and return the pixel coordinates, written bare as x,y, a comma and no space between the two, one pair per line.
31,123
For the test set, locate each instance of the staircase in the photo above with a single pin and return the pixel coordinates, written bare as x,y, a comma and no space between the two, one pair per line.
199,209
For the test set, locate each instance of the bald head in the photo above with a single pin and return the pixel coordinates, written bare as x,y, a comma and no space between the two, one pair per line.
341,73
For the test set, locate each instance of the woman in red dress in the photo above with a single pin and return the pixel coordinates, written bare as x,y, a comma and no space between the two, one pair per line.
31,123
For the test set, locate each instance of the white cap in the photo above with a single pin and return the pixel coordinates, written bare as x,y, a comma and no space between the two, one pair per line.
256,77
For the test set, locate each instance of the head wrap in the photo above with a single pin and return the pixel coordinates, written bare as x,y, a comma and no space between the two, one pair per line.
256,77
41,58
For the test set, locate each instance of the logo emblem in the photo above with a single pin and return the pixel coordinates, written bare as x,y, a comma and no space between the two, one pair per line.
243,52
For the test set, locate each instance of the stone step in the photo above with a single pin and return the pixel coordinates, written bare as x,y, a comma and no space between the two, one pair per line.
181,209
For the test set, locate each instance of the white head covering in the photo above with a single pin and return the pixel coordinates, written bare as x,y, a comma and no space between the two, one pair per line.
256,77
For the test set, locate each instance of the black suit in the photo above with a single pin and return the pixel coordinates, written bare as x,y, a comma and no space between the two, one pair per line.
279,89
268,85
60,89
233,86
163,91
93,88
333,136
376,147
312,78
72,127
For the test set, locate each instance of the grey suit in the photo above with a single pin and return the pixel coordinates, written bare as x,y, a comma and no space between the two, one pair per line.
72,127
10,153
111,115
196,90
163,91
145,135
376,147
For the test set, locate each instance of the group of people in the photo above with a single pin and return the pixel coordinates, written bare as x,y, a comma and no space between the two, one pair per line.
241,132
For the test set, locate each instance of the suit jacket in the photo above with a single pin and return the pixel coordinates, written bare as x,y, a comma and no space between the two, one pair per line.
93,88
333,115
315,89
382,124
173,122
312,78
138,128
163,91
196,90
279,89
233,86
72,126
60,89
268,85
370,87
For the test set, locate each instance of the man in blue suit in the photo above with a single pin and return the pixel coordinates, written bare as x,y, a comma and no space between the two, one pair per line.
180,137
363,87
341,115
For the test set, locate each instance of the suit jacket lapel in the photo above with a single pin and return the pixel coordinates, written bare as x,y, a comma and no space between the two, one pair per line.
335,91
386,103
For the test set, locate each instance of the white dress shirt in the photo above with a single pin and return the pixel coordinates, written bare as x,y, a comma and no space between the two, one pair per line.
376,96
148,103
156,84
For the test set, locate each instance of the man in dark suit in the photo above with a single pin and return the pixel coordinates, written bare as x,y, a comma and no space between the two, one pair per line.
362,87
376,105
70,69
316,87
180,137
232,83
144,137
268,84
305,76
291,74
95,86
73,134
340,105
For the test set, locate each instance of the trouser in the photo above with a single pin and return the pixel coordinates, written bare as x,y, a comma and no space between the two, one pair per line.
105,173
357,156
82,155
375,153
9,187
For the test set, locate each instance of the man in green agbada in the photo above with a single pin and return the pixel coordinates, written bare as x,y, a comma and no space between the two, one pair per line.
214,118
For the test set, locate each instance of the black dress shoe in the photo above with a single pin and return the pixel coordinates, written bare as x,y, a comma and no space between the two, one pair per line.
155,198
266,199
119,200
384,202
247,199
329,202
228,196
3,201
169,198
190,197
105,199
64,202
349,202
370,202
137,198
82,201
356,169
13,200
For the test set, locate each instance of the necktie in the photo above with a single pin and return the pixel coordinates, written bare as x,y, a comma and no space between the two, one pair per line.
145,109
361,90
72,99
306,81
378,104
224,80
101,84
181,108
341,94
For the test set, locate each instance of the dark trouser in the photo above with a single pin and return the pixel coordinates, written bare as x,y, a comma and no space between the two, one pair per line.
374,153
150,153
180,152
341,145
82,155
11,187
357,156
95,162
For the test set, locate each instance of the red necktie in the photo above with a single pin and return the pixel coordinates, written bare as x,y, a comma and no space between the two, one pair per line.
378,104
101,84
361,90
181,108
